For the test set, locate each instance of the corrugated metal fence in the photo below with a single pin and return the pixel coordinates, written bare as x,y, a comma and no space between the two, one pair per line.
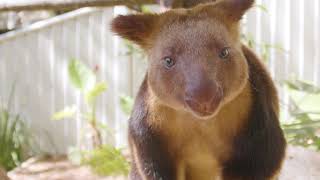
36,59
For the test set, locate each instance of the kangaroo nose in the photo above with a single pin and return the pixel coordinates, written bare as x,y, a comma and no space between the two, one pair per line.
204,98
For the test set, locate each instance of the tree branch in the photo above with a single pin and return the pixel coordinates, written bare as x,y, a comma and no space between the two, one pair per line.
69,4
188,3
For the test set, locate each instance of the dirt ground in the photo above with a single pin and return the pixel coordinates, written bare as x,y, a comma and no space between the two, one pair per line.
54,168
300,164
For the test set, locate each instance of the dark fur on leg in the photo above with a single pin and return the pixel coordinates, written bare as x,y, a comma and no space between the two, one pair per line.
151,152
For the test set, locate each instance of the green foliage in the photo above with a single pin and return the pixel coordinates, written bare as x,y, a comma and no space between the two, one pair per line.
96,91
262,7
106,161
81,76
304,126
13,137
84,79
103,159
126,103
146,9
303,86
67,112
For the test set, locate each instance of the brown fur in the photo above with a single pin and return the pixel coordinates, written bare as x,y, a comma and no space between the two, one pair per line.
206,117
211,139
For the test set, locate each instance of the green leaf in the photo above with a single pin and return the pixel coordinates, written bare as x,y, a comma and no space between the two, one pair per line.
107,161
126,103
308,103
98,89
67,112
304,86
304,112
81,76
12,148
145,9
262,8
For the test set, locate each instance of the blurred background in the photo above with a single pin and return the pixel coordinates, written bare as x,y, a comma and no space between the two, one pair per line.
67,83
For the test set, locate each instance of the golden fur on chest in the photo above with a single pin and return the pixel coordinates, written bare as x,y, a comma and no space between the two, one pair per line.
199,146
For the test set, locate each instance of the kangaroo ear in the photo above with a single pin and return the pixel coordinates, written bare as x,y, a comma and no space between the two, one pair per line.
234,9
136,28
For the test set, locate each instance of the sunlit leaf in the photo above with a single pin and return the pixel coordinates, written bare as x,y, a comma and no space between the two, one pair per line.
13,139
107,161
126,103
81,76
304,111
98,89
262,8
303,86
307,103
145,9
67,112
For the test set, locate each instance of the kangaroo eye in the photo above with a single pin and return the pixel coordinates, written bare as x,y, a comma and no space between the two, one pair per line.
224,53
168,62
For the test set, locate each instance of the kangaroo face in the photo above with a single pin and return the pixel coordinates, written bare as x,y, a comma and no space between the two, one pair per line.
195,65
195,59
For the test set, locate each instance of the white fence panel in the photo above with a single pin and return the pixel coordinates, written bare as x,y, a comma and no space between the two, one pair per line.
37,58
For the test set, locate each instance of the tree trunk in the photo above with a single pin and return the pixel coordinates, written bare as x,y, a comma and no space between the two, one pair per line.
96,136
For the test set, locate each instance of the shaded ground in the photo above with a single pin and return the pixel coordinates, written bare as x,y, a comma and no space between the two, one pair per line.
300,164
58,168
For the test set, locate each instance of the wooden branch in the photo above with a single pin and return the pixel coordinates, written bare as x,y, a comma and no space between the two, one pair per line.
69,4
188,3
74,4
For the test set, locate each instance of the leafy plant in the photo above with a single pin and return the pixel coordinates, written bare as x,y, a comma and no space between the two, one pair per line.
103,159
106,161
303,127
11,139
262,7
84,80
13,136
126,103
